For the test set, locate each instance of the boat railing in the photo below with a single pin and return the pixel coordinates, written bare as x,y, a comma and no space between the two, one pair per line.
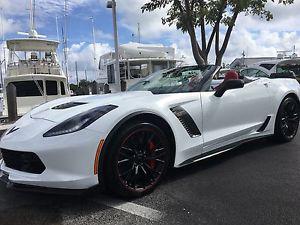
35,67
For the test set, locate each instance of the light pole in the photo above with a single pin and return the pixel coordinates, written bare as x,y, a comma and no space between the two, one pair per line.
112,5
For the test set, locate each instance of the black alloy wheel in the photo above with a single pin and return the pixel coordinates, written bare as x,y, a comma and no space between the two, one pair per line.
287,120
139,159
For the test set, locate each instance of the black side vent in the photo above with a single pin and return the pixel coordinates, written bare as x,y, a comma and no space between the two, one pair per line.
186,120
69,105
265,124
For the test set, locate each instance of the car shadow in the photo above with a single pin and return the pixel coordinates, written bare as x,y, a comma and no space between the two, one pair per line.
251,146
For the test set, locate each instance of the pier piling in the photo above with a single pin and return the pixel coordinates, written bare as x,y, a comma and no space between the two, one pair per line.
12,102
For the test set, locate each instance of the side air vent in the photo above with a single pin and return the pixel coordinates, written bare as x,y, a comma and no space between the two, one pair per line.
264,125
69,105
186,120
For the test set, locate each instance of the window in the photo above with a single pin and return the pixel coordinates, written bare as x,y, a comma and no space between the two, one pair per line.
253,73
261,74
51,87
111,74
286,68
29,88
267,66
62,88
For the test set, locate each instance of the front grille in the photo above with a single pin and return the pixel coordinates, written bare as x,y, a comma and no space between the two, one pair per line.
23,161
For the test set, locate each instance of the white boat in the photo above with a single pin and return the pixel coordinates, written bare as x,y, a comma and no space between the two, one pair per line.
136,62
34,69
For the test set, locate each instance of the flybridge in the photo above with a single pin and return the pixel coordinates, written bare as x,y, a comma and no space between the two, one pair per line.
32,44
33,68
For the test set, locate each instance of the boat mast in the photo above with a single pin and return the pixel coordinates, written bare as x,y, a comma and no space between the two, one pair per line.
32,16
66,39
3,48
139,33
57,31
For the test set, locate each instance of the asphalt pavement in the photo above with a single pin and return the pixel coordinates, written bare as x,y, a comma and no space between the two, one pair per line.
256,184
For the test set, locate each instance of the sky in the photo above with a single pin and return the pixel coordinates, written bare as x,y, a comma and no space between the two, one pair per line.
251,34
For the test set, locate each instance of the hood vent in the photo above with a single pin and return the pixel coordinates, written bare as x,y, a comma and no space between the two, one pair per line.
69,105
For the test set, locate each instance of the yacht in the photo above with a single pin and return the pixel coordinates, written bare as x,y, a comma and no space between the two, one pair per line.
34,69
137,61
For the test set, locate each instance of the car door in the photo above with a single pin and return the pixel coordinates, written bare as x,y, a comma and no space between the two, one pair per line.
236,115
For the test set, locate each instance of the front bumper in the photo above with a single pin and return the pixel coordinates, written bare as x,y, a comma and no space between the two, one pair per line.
69,159
4,178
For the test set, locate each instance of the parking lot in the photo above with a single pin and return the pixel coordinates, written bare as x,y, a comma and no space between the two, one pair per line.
258,183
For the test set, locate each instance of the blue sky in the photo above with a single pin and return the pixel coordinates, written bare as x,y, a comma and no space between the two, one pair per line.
255,36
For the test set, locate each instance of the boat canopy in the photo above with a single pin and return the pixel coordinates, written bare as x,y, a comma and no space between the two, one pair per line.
32,44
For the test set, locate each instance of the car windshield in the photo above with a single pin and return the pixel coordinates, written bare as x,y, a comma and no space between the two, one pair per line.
178,80
287,68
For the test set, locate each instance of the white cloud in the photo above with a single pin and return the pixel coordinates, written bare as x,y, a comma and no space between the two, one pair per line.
44,7
10,26
150,23
252,34
83,54
102,35
261,43
44,10
286,18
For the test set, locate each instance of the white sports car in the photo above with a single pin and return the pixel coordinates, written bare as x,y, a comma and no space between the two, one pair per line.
127,141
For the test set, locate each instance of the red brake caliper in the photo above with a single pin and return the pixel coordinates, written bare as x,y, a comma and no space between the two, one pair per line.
151,147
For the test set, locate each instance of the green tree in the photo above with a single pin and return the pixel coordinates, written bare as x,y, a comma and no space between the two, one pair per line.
209,16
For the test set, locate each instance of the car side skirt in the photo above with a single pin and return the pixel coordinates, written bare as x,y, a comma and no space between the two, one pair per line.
218,151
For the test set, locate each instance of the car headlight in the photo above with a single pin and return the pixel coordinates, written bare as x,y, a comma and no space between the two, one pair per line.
79,121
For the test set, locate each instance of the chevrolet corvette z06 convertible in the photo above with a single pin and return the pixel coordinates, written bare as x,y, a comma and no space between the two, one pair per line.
127,141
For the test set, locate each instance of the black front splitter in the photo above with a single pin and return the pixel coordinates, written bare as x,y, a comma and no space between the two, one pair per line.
4,177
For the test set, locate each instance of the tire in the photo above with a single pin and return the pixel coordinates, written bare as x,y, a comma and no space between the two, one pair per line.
287,120
137,159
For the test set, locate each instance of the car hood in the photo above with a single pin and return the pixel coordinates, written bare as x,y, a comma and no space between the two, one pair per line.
62,109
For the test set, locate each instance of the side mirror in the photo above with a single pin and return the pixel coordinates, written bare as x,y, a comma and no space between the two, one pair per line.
228,85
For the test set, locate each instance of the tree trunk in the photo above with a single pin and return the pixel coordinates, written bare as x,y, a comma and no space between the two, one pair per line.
195,48
220,53
219,58
197,53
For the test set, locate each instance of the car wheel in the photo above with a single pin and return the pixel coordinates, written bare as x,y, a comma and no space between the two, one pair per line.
138,159
287,120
